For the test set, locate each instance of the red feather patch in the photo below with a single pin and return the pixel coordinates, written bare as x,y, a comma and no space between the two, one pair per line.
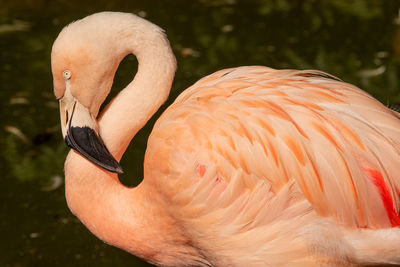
377,178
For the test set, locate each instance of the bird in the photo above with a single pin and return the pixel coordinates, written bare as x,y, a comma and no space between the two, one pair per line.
249,166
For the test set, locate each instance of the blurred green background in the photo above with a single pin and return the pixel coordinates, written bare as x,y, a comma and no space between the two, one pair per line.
356,40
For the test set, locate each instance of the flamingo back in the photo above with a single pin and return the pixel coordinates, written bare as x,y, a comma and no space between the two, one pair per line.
252,145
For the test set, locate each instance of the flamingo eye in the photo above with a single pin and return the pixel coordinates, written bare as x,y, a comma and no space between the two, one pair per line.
67,74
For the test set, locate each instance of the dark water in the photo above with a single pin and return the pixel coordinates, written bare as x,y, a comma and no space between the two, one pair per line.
358,41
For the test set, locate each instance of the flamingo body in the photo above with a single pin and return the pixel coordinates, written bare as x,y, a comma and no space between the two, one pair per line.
264,147
250,166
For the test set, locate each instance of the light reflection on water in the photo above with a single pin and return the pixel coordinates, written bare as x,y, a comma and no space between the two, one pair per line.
357,41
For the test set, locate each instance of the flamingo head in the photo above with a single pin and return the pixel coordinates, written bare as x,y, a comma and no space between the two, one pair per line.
83,68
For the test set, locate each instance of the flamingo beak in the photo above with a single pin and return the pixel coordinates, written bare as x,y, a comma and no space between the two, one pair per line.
80,132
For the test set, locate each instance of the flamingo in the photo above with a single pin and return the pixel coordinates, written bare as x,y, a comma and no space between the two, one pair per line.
250,166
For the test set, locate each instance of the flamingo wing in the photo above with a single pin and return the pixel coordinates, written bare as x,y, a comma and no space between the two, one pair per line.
339,144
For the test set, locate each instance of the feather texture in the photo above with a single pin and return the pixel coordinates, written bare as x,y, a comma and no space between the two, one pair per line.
263,156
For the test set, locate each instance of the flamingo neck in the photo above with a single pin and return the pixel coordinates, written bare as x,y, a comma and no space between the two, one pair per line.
133,219
129,111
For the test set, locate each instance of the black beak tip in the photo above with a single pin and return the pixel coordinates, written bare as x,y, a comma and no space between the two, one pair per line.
85,141
116,169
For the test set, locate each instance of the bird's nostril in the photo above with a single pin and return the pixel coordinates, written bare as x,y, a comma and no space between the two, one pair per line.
66,117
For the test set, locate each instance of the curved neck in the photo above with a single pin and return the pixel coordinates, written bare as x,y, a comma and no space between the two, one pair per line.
117,214
129,111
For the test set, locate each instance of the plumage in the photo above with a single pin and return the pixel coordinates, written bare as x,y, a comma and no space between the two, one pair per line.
250,166
318,149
